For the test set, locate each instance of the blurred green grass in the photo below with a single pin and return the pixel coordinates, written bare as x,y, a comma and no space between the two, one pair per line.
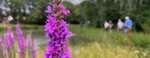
86,35
89,42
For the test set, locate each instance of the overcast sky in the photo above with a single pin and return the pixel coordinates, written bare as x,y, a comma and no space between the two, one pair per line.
75,1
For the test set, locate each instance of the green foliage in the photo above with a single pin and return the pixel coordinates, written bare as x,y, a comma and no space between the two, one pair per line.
38,15
73,16
97,11
93,11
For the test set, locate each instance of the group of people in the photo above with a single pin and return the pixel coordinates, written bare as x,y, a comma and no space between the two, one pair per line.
122,26
108,25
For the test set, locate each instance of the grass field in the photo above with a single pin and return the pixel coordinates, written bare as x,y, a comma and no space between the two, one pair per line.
98,43
88,42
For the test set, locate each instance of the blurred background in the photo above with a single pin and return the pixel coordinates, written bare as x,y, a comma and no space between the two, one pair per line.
87,18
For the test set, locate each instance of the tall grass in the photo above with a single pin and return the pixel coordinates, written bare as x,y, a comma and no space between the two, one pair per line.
98,43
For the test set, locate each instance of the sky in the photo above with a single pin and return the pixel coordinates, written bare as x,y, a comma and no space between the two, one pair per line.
75,1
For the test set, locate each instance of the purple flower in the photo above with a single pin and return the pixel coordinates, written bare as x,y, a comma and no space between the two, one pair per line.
10,33
31,45
3,45
4,52
65,11
50,25
66,54
57,30
49,10
6,40
21,39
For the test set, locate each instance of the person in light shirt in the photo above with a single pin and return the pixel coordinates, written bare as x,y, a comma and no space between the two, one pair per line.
120,25
106,25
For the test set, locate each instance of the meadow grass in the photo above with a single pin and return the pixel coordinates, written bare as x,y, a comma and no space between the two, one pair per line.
89,42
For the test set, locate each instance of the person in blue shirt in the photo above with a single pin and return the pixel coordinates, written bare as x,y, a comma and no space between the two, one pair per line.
128,25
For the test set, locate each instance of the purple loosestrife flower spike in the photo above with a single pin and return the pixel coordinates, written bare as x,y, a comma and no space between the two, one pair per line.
33,53
31,45
12,40
11,35
29,41
4,51
7,40
3,47
21,40
57,30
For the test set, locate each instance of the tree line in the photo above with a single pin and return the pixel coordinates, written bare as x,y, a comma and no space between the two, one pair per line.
93,11
97,11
